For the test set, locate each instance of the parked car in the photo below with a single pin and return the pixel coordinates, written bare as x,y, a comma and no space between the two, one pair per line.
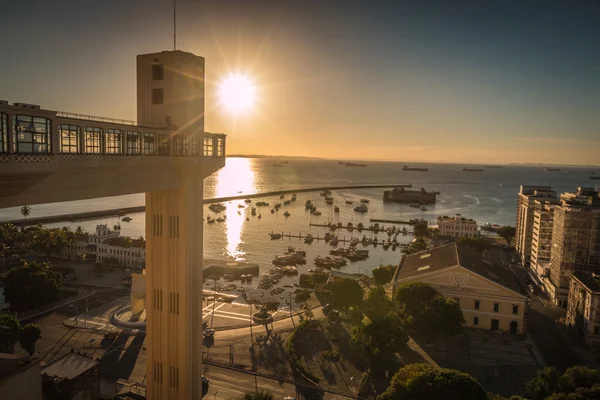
208,332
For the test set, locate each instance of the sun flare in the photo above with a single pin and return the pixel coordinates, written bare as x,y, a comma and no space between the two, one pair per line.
237,93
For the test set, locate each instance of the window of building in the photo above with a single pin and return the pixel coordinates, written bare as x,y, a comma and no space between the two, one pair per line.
208,147
515,309
195,144
32,134
114,141
163,145
149,147
157,96
179,146
69,138
134,145
475,320
157,72
93,140
596,330
496,307
477,304
220,147
3,133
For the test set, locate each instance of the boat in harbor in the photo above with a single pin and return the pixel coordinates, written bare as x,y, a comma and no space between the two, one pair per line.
317,213
248,201
550,169
364,200
401,195
286,202
472,169
493,166
262,204
348,201
308,238
361,208
352,164
423,208
336,209
126,219
287,214
407,168
594,177
275,236
325,192
329,201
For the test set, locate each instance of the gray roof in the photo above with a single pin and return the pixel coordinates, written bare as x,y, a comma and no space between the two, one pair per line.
442,257
69,366
428,261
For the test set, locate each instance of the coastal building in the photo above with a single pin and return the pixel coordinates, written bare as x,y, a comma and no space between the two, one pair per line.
575,240
401,195
524,226
457,226
541,240
19,378
583,310
108,246
51,156
489,295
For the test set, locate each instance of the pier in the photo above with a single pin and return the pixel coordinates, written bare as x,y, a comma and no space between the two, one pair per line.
391,221
118,212
343,240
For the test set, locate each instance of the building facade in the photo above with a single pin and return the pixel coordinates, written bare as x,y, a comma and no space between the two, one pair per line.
525,212
108,246
575,240
583,310
489,296
457,226
541,239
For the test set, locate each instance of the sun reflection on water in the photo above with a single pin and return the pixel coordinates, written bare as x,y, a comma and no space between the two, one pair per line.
236,177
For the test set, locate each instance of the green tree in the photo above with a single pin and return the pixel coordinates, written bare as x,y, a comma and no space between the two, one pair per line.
383,338
31,285
415,246
346,293
302,296
257,396
421,230
378,304
30,334
25,211
423,381
507,233
383,274
14,328
423,308
52,241
577,383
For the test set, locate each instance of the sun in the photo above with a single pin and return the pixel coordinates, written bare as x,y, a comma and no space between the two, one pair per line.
237,93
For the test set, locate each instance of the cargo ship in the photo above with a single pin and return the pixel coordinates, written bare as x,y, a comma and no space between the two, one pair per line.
594,177
352,164
472,170
400,195
494,166
552,169
407,168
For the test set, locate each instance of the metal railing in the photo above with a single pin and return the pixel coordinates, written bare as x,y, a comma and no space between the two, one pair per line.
85,117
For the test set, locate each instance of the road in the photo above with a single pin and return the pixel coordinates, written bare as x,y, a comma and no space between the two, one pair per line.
542,318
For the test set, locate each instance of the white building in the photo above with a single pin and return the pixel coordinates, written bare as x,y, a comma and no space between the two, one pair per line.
457,226
109,246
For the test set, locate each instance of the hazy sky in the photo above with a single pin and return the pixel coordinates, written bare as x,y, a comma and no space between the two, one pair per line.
457,81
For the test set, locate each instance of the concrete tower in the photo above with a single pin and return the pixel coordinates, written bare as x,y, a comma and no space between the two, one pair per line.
170,91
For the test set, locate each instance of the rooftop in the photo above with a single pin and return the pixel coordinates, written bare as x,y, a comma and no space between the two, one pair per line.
588,279
451,255
69,366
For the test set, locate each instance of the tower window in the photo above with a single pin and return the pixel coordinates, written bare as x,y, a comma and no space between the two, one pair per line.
157,72
157,96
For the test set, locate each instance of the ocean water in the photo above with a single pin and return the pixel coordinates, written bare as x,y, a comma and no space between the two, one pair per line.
488,196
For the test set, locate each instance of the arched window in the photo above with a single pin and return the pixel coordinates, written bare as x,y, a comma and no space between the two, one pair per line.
69,138
3,133
32,134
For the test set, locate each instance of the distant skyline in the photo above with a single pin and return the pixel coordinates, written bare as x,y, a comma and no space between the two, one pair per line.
423,81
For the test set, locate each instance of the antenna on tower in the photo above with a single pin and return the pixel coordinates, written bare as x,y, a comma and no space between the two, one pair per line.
174,24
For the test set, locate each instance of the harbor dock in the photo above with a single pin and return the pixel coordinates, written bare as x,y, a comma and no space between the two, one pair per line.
118,212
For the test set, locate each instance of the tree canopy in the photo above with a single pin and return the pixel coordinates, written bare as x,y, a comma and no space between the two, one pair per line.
14,326
346,293
477,244
423,308
577,383
507,233
423,381
257,396
383,338
31,285
378,304
420,230
30,334
301,296
383,274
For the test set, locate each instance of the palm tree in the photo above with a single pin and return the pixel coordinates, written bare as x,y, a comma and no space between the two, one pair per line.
25,211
